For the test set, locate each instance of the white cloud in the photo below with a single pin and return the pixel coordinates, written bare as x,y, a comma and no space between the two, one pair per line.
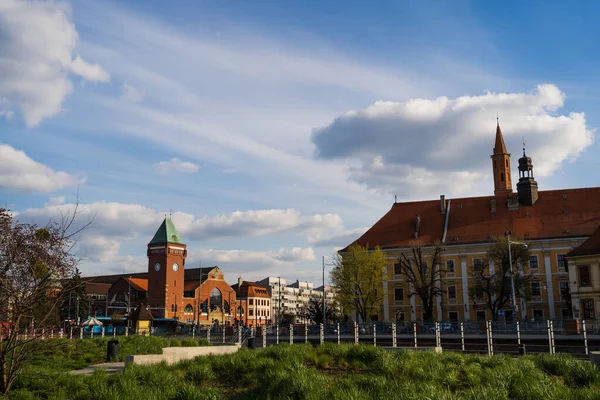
56,200
176,165
253,259
7,114
130,93
37,40
338,240
20,173
120,220
421,148
98,249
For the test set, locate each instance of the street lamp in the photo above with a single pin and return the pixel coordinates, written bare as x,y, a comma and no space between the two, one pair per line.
324,295
512,279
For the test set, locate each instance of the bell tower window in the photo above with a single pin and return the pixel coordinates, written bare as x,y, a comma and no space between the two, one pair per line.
502,176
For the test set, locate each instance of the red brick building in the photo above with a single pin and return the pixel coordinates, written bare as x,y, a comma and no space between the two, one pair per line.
254,303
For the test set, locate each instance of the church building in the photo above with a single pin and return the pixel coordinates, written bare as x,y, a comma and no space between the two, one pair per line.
551,222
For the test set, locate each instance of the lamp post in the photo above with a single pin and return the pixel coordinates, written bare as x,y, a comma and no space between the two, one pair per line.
324,295
511,275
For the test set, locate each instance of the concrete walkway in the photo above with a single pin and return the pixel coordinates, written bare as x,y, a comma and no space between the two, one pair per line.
111,368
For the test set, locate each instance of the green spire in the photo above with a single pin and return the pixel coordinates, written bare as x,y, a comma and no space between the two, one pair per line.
166,234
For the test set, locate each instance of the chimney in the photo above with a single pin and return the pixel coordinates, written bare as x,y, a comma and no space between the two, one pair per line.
240,282
417,226
443,204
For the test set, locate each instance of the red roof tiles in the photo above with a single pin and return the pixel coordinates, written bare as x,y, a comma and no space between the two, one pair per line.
499,147
556,214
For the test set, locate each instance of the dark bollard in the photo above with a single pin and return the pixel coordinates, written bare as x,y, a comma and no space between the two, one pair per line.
251,343
112,350
522,350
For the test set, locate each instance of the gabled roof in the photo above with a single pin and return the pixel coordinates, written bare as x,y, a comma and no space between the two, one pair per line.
138,284
499,146
556,214
590,247
166,233
141,314
97,288
251,289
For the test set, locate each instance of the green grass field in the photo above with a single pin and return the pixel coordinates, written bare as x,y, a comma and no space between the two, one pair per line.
328,372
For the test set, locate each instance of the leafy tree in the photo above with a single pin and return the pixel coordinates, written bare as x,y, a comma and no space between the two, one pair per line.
33,262
357,276
495,288
315,308
74,301
421,268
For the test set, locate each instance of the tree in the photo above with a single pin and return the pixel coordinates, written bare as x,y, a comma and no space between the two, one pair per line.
421,268
33,261
74,301
495,288
357,276
315,310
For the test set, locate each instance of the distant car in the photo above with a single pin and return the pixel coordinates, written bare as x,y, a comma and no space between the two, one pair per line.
444,327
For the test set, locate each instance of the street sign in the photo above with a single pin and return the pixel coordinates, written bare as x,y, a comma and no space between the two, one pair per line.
501,313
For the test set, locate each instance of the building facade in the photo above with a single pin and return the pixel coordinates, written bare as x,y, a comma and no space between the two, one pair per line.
552,223
254,303
584,278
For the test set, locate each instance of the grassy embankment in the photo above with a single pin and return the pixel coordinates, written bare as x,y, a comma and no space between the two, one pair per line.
332,372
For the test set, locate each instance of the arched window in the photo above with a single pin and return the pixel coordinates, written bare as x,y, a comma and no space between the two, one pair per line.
502,176
216,300
507,162
188,308
226,307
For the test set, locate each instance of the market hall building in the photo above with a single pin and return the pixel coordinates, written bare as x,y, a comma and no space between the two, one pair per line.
197,296
552,223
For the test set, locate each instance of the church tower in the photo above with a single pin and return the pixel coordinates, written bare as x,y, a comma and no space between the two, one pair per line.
527,187
501,166
166,260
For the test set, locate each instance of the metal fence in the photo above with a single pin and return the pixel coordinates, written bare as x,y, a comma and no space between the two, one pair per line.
484,337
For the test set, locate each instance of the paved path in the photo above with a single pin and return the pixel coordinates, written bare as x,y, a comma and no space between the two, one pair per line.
111,368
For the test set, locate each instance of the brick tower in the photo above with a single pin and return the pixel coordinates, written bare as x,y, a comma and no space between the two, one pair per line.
166,261
501,166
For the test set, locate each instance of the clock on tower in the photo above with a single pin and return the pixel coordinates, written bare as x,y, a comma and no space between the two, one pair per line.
166,260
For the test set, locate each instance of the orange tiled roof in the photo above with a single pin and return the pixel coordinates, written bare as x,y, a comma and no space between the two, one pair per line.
588,248
139,284
556,214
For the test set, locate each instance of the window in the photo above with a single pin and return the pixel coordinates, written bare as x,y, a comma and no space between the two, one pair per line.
480,316
506,162
453,316
452,293
216,299
538,315
477,265
561,261
450,266
397,269
587,306
502,176
251,312
536,289
584,276
251,302
188,308
400,316
533,262
565,293
399,295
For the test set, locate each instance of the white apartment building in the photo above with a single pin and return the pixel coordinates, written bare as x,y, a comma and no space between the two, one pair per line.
293,299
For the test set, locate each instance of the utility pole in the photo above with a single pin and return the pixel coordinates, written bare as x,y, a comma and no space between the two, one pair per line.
511,275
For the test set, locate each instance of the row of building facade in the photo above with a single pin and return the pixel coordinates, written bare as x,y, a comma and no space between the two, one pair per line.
554,224
198,296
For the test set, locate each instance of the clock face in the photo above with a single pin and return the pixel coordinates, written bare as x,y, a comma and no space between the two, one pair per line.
175,267
157,267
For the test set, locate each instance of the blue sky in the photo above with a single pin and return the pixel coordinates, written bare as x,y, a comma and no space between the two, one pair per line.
278,131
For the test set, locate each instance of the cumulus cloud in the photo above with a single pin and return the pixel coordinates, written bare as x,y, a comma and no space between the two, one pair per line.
120,220
37,40
252,258
176,165
56,200
422,147
98,249
20,173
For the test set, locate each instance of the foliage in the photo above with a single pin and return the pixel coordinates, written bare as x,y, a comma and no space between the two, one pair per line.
357,277
315,308
34,261
495,288
74,301
330,372
422,269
